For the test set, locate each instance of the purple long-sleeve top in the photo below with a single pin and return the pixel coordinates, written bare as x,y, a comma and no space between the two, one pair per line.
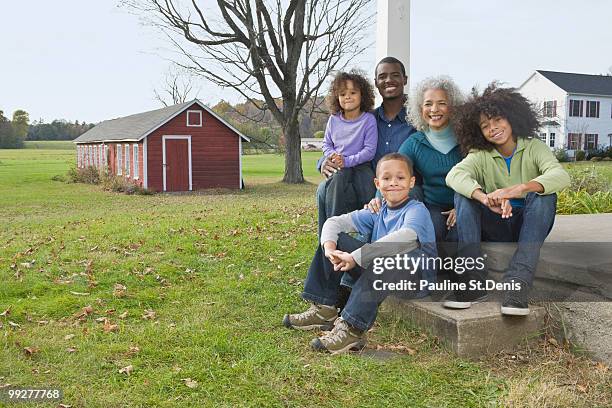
354,139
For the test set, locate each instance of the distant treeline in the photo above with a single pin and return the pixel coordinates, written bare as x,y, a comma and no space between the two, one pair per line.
59,129
14,132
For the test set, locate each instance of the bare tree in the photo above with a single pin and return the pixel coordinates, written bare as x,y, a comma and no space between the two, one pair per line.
177,88
278,51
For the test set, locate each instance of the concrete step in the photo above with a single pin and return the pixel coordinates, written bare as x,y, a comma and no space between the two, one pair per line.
473,332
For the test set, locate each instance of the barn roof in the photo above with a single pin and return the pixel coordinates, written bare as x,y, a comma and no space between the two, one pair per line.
138,126
580,83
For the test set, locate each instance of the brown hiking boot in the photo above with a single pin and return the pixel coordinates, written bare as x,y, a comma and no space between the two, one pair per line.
342,338
320,317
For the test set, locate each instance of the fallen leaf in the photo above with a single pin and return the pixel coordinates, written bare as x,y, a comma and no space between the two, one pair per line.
109,327
31,350
123,315
190,383
71,349
13,324
581,388
6,312
42,322
149,314
134,350
126,370
64,406
176,368
68,336
79,293
601,367
119,290
553,341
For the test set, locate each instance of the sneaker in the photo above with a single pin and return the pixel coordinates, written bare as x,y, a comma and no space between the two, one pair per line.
516,301
464,300
320,317
342,338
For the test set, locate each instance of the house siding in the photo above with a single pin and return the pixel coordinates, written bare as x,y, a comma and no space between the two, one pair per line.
214,152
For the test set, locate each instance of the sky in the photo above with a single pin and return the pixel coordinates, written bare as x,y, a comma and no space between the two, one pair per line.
92,60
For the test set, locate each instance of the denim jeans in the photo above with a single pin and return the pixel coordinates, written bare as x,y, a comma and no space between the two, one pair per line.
322,282
529,226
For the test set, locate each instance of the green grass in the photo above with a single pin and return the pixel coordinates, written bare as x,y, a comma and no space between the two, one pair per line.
219,270
50,145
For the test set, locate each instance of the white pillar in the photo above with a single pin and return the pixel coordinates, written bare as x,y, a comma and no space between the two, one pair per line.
393,30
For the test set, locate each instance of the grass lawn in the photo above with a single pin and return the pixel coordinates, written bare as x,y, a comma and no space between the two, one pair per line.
177,300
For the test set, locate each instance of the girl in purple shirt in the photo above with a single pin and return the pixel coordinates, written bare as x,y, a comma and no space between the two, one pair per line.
350,142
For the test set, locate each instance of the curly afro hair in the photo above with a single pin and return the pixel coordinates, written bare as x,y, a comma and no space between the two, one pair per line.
359,81
506,103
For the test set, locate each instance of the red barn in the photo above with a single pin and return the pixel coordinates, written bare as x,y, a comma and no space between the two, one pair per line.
178,148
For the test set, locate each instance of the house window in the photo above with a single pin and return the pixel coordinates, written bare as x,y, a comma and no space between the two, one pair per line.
572,140
127,160
550,109
96,156
89,156
119,161
136,162
591,141
101,156
105,155
543,137
592,109
551,140
575,107
194,118
79,152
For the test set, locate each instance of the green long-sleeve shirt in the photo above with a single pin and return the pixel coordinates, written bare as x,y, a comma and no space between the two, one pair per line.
487,170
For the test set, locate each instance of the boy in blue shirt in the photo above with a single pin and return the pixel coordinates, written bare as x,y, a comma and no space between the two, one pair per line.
402,226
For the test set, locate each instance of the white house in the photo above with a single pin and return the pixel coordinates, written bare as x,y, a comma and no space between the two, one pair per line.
577,108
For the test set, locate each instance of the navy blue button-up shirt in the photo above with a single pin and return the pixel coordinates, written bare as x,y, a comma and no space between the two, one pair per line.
391,134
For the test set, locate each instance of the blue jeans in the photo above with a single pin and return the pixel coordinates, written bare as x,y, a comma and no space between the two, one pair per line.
529,226
322,283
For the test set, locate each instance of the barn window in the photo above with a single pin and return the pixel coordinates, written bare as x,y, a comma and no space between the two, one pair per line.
127,160
194,118
119,161
136,162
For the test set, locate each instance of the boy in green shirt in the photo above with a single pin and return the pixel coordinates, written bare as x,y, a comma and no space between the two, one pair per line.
505,190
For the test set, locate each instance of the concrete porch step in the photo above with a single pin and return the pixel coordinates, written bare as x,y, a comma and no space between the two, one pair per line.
473,332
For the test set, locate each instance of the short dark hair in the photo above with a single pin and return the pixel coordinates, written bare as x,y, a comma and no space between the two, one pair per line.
396,156
495,101
360,81
390,60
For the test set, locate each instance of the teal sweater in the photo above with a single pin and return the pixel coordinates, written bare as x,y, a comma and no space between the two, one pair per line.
433,166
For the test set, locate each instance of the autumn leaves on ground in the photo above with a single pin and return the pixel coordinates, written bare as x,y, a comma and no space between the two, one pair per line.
176,300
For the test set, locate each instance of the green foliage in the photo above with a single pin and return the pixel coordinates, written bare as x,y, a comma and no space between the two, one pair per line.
583,202
319,134
561,154
57,130
87,175
580,155
588,193
8,137
21,121
588,179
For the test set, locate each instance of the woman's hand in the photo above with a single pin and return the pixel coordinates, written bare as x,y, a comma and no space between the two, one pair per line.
495,198
452,218
337,159
374,205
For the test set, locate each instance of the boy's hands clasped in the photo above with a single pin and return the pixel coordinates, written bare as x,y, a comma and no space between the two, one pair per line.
342,261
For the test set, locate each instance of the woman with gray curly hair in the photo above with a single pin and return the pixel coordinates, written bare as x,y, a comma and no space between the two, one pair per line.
434,149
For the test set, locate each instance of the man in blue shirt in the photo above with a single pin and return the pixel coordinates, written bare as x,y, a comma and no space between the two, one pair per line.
390,80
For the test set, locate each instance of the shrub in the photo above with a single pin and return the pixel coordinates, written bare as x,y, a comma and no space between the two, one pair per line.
88,175
119,184
606,158
587,179
561,154
580,155
595,158
582,202
319,134
58,177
